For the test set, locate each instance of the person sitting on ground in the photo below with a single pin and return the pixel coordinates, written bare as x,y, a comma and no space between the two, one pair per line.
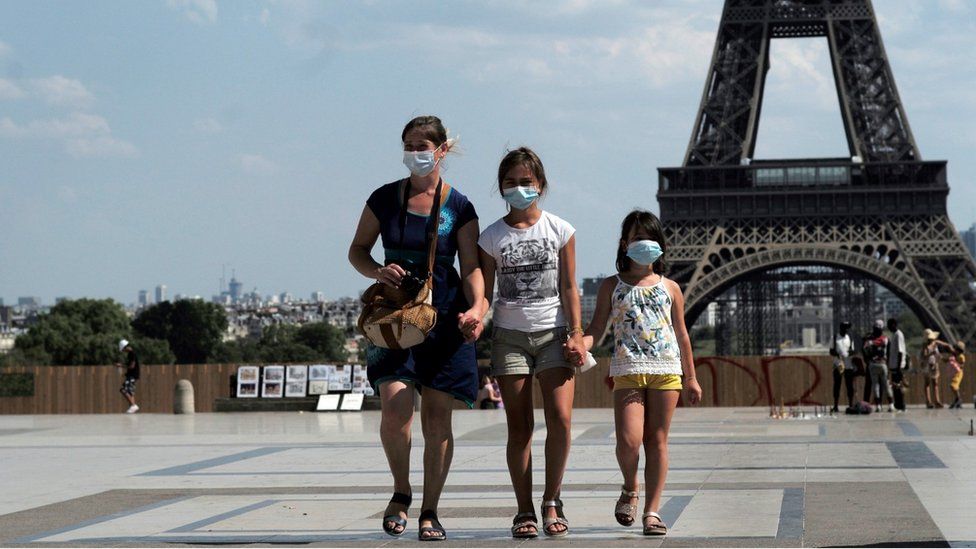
488,396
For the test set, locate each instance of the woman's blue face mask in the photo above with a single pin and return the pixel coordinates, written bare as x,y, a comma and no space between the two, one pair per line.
644,252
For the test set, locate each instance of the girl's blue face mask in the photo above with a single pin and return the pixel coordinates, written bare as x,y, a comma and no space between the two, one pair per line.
420,163
644,252
520,197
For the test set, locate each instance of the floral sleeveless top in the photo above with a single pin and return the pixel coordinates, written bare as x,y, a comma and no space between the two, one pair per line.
643,336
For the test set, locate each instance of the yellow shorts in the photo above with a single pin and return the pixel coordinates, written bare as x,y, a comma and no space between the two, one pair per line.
955,381
663,382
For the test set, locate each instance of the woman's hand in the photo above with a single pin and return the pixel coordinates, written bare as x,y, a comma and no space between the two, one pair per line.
470,324
694,391
391,275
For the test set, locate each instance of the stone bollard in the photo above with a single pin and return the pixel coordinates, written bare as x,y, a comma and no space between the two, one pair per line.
183,397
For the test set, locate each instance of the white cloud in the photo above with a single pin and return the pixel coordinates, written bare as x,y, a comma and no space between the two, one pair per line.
62,91
84,135
200,12
255,164
265,16
4,49
101,146
74,125
207,125
9,90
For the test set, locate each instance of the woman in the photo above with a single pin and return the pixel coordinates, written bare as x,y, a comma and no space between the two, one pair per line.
444,365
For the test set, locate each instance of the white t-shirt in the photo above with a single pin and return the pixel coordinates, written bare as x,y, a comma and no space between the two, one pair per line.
843,347
896,344
527,272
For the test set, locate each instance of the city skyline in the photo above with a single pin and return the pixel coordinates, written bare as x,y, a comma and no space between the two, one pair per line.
122,172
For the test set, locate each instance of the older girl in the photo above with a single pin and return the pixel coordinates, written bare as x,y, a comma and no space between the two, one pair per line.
532,253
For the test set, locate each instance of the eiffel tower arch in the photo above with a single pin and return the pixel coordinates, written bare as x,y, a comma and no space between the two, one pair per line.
880,214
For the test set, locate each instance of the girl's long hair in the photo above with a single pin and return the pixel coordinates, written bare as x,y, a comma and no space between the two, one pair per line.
646,222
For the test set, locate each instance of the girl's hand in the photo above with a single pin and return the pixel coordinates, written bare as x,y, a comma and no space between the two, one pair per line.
574,350
694,391
470,325
391,275
588,343
609,381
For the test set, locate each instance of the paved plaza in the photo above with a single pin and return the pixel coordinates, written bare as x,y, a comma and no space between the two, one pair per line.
738,478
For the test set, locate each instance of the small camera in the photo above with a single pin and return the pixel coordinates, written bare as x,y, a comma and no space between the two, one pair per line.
412,283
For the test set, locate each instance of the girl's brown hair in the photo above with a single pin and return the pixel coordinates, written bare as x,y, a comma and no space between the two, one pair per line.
433,129
523,156
648,223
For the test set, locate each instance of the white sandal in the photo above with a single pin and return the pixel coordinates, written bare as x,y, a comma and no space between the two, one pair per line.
659,529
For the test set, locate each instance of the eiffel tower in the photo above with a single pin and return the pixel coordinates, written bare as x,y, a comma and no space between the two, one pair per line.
880,214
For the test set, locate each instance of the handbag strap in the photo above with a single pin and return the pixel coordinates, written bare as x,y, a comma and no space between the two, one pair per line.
433,220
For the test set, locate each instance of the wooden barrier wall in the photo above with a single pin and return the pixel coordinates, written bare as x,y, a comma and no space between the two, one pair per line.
726,381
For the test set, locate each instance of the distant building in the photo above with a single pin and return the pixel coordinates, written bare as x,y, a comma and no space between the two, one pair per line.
29,302
318,297
969,238
286,297
589,290
236,289
160,293
143,298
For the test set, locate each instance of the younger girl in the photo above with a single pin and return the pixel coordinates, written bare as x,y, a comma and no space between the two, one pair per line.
651,353
533,255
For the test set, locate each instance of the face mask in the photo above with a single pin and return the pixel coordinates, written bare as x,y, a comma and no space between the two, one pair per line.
520,197
419,163
644,252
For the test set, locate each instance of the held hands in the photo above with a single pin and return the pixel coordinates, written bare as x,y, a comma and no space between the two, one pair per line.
391,275
574,350
694,391
470,325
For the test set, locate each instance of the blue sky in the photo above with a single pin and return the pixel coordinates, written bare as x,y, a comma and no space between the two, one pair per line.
155,141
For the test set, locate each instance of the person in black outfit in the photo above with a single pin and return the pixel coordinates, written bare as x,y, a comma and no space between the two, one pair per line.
131,366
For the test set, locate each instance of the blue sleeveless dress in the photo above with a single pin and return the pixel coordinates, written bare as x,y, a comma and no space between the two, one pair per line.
443,361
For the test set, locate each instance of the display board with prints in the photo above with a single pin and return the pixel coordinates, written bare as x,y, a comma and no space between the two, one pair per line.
296,378
273,382
248,378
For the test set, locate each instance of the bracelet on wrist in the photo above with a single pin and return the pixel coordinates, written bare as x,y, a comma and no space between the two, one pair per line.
574,331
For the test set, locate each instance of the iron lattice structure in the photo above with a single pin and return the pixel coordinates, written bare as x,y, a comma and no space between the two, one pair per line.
880,214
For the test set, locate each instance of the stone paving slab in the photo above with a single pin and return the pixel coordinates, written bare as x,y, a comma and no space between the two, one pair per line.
737,478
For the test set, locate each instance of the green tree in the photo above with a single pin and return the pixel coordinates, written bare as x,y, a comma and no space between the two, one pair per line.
153,351
193,328
76,332
326,340
236,352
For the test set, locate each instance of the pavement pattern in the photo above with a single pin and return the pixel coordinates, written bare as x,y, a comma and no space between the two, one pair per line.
737,478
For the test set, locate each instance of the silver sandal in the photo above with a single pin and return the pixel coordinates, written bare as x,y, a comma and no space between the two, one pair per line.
524,521
626,513
560,518
659,529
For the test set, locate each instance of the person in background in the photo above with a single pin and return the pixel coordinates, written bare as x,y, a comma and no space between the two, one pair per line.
131,371
897,361
876,353
957,361
842,350
488,396
930,355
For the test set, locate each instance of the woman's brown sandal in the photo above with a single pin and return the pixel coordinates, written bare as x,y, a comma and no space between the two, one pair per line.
658,528
522,523
626,512
548,523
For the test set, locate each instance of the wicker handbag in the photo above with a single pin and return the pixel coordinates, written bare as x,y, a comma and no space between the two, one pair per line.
399,318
